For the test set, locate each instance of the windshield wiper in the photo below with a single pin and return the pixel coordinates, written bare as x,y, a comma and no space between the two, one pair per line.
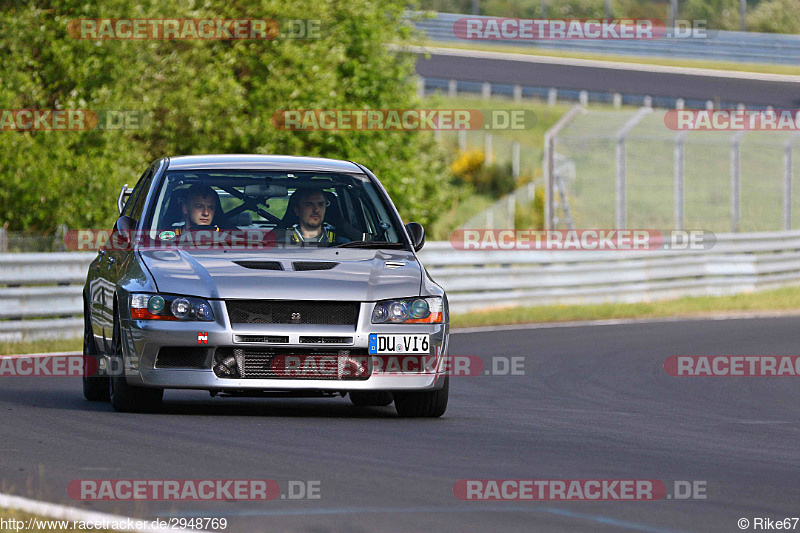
370,244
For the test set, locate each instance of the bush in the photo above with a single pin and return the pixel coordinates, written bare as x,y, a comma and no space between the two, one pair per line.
775,16
495,180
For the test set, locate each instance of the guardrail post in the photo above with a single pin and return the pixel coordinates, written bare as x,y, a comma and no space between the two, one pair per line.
488,156
462,140
583,98
549,164
552,96
515,160
617,100
648,101
735,181
678,153
452,87
420,87
517,93
486,90
680,103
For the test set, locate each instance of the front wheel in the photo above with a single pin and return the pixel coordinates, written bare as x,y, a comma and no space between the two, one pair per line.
428,404
124,397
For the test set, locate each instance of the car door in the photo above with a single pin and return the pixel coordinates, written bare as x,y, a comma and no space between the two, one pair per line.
104,270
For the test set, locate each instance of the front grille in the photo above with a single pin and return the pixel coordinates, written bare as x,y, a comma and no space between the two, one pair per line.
262,338
293,363
261,265
292,312
313,265
327,340
181,357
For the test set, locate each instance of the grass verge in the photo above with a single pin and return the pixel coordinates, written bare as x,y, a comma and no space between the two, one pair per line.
764,68
785,299
42,346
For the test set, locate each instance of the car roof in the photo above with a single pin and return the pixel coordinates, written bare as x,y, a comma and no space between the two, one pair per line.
261,162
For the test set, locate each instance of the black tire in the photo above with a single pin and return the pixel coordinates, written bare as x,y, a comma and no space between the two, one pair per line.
429,404
126,398
95,388
371,398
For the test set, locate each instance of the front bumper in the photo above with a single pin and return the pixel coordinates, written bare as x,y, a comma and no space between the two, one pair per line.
142,340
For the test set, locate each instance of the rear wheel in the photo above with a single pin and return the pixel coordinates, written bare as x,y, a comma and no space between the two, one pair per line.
371,398
125,397
95,388
429,404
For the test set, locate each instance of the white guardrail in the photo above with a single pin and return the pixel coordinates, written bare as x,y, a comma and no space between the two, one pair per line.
40,294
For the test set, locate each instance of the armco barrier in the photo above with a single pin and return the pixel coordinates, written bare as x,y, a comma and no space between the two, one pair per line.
747,47
40,294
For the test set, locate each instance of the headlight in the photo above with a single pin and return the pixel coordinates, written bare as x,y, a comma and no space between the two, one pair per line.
163,307
408,311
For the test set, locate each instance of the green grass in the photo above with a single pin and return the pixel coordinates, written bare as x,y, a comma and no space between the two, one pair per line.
670,62
42,346
785,299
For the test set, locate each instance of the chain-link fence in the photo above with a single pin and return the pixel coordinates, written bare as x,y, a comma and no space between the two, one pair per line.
627,169
32,241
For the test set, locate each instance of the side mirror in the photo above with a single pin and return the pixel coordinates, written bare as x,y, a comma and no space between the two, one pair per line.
124,227
417,233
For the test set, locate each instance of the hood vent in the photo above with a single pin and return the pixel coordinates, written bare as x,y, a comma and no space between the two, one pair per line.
313,265
261,265
394,264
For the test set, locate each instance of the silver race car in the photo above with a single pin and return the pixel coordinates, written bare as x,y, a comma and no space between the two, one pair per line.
255,275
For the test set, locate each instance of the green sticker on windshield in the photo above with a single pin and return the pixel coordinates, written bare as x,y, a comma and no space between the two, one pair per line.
166,235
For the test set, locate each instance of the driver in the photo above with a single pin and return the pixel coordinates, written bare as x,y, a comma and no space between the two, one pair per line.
309,205
199,209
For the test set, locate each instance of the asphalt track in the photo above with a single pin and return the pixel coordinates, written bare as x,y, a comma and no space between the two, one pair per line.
749,91
594,403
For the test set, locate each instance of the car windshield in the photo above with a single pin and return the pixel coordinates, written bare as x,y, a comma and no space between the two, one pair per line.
293,208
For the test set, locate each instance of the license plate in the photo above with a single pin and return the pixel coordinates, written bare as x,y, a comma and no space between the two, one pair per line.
380,344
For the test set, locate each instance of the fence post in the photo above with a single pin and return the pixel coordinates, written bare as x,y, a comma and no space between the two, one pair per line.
679,153
515,168
462,140
3,240
735,181
621,215
787,183
549,163
487,149
512,206
420,87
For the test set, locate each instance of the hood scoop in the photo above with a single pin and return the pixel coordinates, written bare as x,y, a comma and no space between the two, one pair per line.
313,265
261,265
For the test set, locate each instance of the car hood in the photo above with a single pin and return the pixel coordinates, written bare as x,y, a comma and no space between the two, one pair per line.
359,275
